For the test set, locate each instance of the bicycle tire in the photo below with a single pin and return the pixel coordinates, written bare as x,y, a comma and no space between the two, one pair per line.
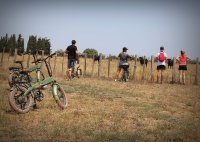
62,100
14,100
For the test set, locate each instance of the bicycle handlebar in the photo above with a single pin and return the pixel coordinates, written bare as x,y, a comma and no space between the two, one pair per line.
50,56
39,60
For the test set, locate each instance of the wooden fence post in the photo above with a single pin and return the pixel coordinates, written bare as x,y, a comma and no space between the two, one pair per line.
55,62
152,77
63,62
93,62
9,54
23,56
174,71
109,66
143,68
36,55
85,64
42,58
49,60
99,66
29,53
135,67
196,76
15,56
2,56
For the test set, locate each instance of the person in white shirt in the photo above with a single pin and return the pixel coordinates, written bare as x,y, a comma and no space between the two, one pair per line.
161,57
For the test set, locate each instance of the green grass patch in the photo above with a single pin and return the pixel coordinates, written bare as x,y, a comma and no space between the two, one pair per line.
135,104
98,92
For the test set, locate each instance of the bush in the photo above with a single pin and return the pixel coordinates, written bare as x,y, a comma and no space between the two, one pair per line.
90,52
60,52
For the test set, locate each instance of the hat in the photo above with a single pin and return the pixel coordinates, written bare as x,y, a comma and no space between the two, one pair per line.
124,48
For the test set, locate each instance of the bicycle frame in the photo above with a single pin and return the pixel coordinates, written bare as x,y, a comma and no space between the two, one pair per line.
42,83
47,81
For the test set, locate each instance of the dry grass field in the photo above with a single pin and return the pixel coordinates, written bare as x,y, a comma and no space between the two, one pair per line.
102,110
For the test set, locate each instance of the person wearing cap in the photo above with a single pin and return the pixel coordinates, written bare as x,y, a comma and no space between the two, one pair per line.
123,60
72,57
161,57
182,59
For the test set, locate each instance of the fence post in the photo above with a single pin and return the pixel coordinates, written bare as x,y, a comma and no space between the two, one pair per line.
93,62
36,55
9,53
109,66
63,62
15,56
23,56
174,71
49,60
2,56
99,66
29,53
85,64
143,68
42,58
55,62
135,67
196,76
152,77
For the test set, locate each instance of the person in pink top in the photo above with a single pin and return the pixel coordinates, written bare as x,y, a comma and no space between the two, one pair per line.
182,66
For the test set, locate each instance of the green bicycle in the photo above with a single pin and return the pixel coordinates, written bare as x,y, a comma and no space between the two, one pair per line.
22,95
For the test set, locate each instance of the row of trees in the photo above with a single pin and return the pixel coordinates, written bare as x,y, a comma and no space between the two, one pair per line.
39,44
8,44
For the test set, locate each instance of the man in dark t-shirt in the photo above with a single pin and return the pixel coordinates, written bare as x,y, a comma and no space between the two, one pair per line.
72,56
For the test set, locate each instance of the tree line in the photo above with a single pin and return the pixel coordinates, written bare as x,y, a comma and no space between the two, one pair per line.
9,43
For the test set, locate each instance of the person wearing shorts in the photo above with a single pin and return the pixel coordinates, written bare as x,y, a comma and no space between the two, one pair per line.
182,59
72,54
123,61
161,64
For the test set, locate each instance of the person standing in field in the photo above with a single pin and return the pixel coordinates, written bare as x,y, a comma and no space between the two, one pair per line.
182,58
161,57
123,61
72,52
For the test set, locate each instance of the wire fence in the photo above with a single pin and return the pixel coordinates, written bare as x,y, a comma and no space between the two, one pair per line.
106,68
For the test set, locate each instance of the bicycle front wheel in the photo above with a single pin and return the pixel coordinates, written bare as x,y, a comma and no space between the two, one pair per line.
61,97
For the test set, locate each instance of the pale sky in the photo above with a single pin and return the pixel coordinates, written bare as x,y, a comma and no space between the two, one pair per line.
107,25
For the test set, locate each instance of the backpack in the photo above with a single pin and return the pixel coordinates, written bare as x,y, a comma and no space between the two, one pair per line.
161,57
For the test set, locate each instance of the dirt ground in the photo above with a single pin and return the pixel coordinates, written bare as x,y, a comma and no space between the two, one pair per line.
105,110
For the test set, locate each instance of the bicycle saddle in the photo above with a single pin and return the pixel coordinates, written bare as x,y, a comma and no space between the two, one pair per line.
19,62
25,71
14,68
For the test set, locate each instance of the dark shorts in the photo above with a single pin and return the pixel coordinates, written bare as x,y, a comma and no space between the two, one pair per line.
161,67
124,66
182,67
71,63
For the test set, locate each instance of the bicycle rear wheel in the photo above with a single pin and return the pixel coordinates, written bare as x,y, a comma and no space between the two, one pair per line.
11,77
18,102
